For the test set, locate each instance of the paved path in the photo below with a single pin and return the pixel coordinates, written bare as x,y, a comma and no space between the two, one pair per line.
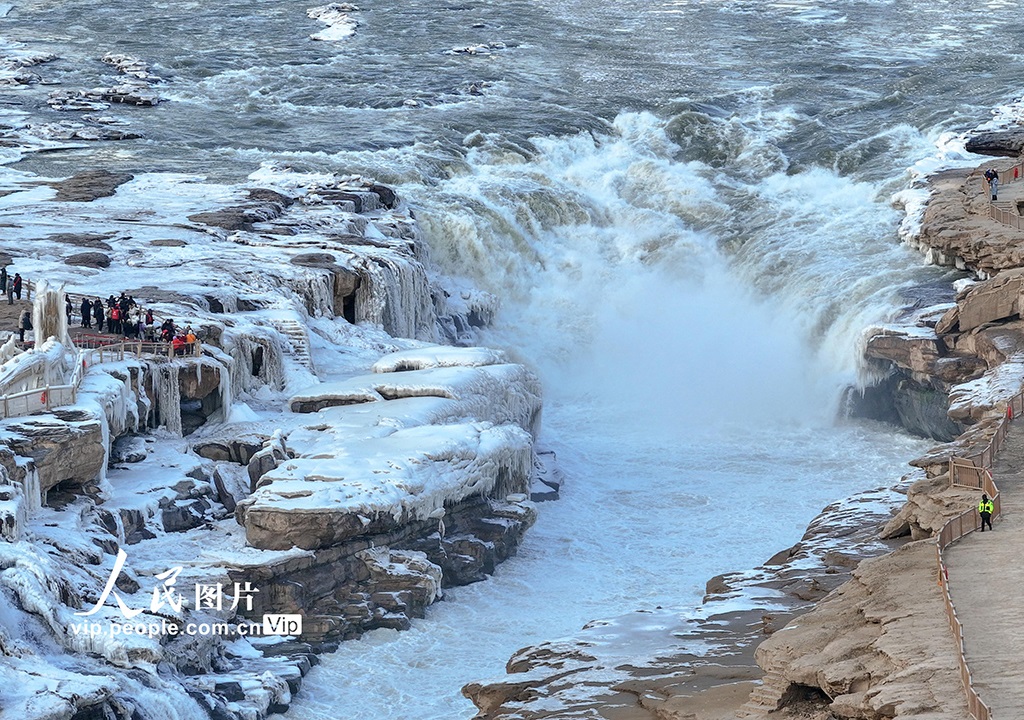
986,579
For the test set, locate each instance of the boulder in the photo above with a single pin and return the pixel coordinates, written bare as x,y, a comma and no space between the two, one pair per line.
128,449
958,369
89,259
264,195
224,495
168,242
268,205
181,516
237,450
314,259
89,240
994,299
949,322
1000,143
230,219
89,185
388,197
198,380
914,349
63,452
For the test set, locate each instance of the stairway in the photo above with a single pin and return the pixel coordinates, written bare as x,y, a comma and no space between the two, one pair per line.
297,341
766,697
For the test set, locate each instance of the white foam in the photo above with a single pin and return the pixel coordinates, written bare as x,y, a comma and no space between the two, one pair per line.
340,24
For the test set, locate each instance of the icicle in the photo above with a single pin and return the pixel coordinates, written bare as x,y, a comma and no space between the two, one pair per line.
169,397
142,397
33,490
226,397
48,317
105,435
13,515
271,372
396,297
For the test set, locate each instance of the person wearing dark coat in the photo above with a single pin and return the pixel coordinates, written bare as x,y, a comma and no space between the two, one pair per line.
86,310
24,324
68,307
98,314
17,285
3,279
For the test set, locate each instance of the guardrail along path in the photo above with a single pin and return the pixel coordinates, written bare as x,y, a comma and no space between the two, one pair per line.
986,580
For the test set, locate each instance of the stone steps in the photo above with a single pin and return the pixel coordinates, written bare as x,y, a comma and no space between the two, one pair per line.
297,345
766,697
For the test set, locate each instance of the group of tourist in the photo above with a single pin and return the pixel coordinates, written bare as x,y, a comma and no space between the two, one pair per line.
120,315
123,316
9,285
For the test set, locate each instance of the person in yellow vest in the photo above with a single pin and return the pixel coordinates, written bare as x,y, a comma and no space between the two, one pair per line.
985,509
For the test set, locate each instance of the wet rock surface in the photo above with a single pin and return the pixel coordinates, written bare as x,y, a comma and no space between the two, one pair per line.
89,185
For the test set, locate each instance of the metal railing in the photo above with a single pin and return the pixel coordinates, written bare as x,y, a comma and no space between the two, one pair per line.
974,472
93,349
100,351
46,397
1013,173
1005,215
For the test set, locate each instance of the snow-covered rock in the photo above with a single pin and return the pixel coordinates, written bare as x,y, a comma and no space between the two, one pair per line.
384,483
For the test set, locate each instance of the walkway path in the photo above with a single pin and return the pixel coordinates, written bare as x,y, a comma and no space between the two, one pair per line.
986,579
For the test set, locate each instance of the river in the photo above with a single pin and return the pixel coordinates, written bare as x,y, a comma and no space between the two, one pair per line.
690,211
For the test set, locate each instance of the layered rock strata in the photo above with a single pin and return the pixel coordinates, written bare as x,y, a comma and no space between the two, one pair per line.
352,516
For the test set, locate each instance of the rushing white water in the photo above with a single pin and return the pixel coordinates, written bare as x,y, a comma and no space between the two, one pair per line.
691,390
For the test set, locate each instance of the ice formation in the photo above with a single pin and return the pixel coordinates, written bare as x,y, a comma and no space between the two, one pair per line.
432,449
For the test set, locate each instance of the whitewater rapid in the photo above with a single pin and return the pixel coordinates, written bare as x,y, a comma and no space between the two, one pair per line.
690,396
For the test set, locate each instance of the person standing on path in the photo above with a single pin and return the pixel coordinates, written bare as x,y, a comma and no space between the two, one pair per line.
17,285
24,324
3,279
985,508
993,183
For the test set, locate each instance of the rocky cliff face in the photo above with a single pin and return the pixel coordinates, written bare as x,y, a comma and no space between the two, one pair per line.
353,517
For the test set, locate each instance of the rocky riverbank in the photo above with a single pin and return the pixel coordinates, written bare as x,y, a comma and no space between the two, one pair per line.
323,458
855,623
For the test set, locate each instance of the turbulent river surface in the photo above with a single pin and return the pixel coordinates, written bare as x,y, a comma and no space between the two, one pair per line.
690,211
